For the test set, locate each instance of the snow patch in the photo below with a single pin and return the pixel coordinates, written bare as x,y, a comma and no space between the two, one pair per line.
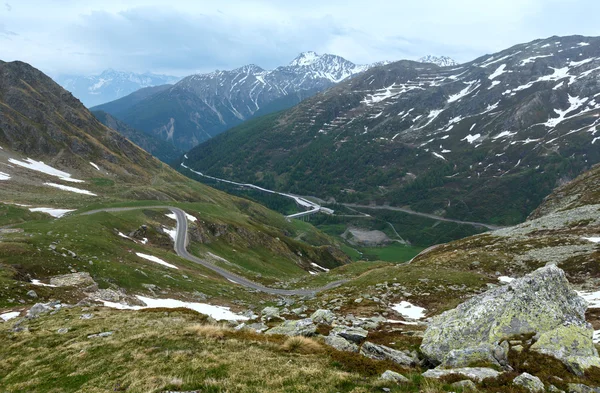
592,239
156,260
9,315
408,310
506,279
70,189
58,213
593,298
504,134
4,176
39,166
499,71
471,138
41,284
95,166
216,312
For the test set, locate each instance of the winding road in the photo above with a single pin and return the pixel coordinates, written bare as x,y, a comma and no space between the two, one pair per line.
182,242
432,216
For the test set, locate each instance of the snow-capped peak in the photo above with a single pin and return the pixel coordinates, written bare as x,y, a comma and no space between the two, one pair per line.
442,61
305,59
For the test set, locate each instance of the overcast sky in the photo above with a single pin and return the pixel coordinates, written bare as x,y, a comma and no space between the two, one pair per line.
181,37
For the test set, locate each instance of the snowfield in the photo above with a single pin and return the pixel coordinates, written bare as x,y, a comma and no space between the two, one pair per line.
39,166
9,315
217,312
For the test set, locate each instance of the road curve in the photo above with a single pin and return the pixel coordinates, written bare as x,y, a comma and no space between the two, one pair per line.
432,216
182,241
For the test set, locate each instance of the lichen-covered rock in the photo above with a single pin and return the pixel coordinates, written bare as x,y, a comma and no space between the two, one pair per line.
393,376
270,314
354,334
325,317
73,280
535,304
581,388
570,344
381,352
529,382
340,343
37,310
300,327
476,373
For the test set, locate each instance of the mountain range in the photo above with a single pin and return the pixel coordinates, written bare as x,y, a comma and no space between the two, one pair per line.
202,106
486,140
110,85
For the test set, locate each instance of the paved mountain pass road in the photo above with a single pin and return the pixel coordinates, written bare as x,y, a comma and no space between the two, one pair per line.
432,216
182,242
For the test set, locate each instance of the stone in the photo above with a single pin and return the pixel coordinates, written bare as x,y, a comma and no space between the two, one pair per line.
541,303
529,382
300,327
476,373
62,330
354,334
393,376
581,388
37,310
381,352
324,317
86,316
340,343
32,294
573,345
103,334
73,280
257,327
270,314
554,389
466,385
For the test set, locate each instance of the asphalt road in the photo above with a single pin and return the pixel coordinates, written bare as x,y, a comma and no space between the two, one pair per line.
432,216
182,241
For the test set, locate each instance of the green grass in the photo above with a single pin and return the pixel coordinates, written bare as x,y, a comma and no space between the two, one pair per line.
393,253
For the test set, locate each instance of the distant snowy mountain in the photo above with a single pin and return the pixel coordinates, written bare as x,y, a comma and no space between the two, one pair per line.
442,61
203,105
110,85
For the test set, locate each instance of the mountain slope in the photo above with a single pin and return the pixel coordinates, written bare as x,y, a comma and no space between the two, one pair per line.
201,106
163,151
484,141
110,85
121,105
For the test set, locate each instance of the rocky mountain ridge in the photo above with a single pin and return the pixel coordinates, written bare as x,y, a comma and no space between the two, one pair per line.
485,140
203,105
442,61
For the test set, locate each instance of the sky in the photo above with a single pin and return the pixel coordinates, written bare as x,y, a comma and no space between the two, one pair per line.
181,37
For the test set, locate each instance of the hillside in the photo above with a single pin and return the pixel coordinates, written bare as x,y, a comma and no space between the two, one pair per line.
484,141
163,151
110,85
123,104
201,106
57,162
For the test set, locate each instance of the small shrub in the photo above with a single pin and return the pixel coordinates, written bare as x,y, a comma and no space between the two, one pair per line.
301,344
210,331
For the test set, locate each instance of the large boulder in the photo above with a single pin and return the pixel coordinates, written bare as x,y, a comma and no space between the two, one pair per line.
541,305
393,376
270,314
300,327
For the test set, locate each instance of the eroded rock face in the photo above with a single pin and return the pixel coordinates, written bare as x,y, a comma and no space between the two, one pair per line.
541,304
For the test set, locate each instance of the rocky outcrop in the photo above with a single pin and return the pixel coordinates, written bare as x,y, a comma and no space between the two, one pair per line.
393,376
323,317
541,305
476,373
